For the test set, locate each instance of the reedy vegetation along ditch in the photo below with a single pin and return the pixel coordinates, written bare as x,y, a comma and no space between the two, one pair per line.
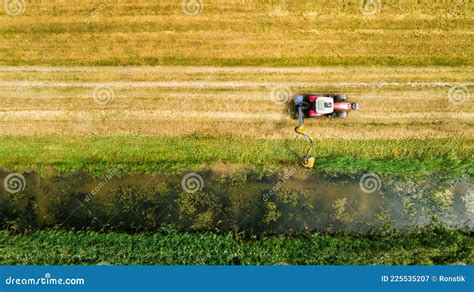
291,202
365,229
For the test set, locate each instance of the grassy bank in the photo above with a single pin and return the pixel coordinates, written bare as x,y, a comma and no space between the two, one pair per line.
431,246
414,157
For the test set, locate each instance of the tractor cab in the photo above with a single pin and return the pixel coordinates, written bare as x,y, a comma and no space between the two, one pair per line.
323,105
320,106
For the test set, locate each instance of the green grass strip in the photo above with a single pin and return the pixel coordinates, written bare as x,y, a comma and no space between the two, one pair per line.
430,246
96,154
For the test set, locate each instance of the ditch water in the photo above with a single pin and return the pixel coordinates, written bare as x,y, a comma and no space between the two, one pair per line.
288,202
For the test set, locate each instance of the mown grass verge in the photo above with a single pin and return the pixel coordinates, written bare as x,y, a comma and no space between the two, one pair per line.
168,155
429,246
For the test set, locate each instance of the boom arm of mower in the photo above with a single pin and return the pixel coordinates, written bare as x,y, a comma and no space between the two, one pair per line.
309,159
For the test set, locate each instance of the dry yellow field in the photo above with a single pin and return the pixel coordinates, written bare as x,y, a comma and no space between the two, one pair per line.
237,32
167,73
395,103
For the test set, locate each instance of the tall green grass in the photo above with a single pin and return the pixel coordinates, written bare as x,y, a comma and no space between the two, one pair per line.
430,246
97,154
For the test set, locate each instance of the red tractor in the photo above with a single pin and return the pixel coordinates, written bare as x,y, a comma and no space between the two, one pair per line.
315,106
322,105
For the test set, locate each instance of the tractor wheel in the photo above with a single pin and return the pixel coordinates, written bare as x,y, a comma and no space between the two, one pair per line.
341,115
340,97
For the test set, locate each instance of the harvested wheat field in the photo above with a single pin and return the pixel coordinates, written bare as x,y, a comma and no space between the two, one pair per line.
238,32
249,102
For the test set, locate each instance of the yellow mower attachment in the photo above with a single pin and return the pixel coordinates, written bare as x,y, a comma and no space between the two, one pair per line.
309,160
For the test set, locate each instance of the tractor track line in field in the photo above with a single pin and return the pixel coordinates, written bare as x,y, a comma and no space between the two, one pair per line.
137,115
226,70
111,115
219,84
